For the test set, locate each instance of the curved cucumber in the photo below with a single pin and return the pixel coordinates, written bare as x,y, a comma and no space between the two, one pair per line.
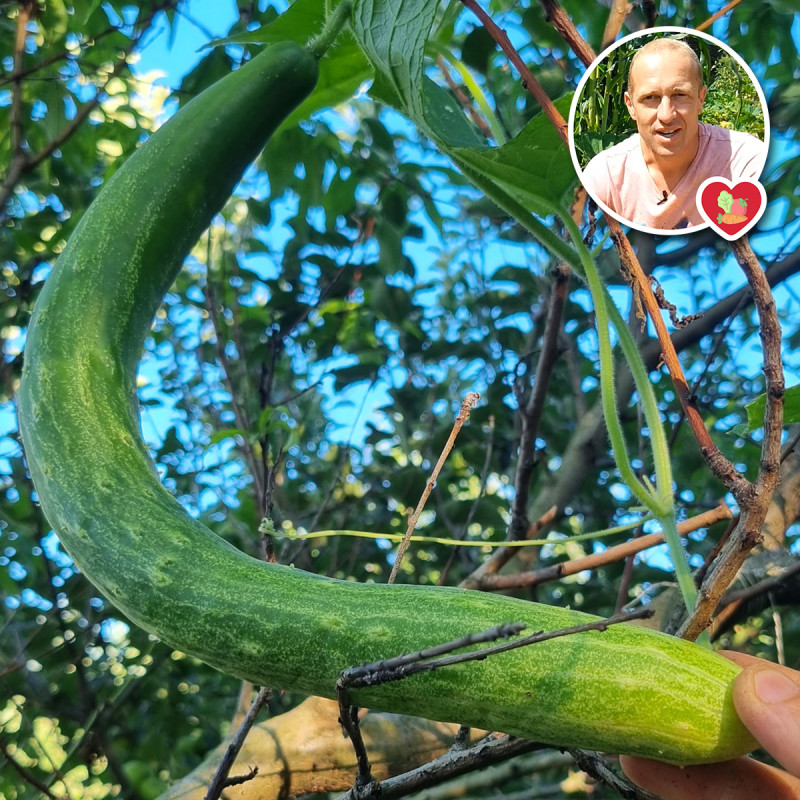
627,690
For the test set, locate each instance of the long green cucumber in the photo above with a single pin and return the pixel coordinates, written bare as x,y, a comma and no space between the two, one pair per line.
626,690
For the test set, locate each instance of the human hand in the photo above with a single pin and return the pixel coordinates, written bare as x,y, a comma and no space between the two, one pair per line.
767,700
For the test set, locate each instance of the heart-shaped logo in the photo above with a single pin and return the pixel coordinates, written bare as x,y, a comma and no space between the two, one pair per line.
731,209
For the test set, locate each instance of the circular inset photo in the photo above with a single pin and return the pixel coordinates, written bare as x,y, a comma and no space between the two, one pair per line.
658,113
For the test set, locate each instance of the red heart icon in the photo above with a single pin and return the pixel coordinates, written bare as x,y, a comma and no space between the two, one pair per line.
731,209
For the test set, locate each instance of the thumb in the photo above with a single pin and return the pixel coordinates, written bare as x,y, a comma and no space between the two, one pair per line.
767,699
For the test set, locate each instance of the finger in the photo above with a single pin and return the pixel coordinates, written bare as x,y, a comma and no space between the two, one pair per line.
742,779
767,700
742,659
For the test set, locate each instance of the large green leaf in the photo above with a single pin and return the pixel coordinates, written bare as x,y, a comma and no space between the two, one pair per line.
529,174
393,34
534,165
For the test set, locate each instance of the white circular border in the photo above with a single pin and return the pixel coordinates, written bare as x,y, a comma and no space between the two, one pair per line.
578,93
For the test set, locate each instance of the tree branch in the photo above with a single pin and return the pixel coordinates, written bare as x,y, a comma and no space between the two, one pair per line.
531,416
529,81
497,583
303,752
748,532
220,779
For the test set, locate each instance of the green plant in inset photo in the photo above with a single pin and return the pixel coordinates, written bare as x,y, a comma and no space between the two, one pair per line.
601,118
732,101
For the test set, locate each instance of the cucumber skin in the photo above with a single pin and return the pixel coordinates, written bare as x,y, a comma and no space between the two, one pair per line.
626,690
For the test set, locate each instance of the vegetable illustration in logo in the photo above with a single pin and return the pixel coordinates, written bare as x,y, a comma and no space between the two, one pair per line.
735,210
731,209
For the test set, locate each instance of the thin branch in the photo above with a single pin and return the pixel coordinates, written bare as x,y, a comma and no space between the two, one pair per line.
17,113
529,81
532,414
30,779
22,162
721,467
239,413
497,583
394,669
85,45
627,576
777,272
504,554
616,19
463,415
404,666
485,473
753,514
594,764
762,587
718,341
452,764
399,667
721,13
458,760
220,780
491,781
561,21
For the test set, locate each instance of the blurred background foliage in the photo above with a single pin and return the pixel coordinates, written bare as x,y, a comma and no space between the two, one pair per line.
310,360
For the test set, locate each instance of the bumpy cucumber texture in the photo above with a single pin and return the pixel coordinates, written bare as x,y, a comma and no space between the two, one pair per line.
627,690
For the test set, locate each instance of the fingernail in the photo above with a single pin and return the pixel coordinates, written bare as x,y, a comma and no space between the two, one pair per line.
772,686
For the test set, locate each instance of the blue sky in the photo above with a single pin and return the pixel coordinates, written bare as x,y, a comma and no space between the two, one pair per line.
178,50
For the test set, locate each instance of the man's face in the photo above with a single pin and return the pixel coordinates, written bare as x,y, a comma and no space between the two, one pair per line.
665,103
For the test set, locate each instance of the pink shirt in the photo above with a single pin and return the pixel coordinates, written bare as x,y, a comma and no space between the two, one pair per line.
619,179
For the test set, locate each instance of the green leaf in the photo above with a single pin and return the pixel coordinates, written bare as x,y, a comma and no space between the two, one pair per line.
478,49
528,175
298,23
791,409
227,433
535,165
446,118
393,34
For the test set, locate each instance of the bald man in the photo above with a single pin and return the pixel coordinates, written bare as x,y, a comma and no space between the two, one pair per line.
651,178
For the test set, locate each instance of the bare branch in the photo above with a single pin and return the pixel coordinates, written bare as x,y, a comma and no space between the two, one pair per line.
532,413
497,583
220,779
30,779
721,13
561,21
463,415
450,765
616,19
748,532
22,162
504,554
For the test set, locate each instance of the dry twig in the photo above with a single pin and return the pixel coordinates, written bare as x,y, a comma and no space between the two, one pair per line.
220,779
463,415
719,14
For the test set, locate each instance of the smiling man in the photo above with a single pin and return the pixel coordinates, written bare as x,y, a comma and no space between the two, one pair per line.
651,178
